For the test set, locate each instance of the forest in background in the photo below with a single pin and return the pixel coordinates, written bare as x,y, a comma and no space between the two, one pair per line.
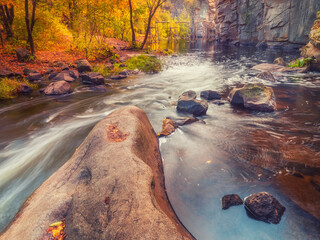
83,25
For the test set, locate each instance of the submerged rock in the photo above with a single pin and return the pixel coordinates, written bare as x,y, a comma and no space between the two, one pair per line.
254,97
210,95
83,65
93,78
58,88
266,76
230,200
264,207
111,188
188,103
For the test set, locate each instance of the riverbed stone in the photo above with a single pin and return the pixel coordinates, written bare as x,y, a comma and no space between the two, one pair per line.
111,188
66,75
27,71
58,88
92,78
268,76
230,200
188,103
210,95
7,73
83,65
168,127
254,97
118,77
25,89
264,207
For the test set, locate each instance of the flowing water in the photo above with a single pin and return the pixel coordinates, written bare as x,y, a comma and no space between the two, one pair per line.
235,151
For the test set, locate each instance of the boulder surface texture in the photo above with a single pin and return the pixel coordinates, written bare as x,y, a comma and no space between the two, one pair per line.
254,97
264,207
111,188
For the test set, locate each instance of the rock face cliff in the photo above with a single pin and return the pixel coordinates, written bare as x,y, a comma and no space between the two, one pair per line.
274,23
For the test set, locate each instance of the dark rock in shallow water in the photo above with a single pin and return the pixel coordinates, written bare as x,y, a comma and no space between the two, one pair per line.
188,103
231,200
93,78
210,95
58,88
118,77
254,97
266,76
264,207
218,102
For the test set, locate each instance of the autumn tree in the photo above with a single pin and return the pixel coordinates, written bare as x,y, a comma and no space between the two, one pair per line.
153,6
133,38
7,16
30,22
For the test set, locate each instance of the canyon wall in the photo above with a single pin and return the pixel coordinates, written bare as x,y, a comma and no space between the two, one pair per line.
274,23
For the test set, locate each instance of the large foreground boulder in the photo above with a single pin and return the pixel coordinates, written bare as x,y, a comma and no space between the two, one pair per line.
254,97
188,103
264,207
58,88
111,188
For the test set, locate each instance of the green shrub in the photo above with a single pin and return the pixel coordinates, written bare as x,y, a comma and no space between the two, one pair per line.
300,62
145,63
9,88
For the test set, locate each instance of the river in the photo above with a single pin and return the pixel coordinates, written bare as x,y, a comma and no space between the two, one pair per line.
235,151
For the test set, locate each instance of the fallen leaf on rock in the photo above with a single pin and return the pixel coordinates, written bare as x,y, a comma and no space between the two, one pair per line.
107,200
115,134
56,231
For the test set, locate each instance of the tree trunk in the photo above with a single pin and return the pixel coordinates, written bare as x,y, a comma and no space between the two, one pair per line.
7,16
29,30
132,27
147,32
1,39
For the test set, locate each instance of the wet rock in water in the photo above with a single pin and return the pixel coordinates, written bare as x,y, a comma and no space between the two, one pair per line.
25,89
280,61
168,127
83,65
218,102
67,75
266,76
264,207
99,88
92,78
23,54
231,200
58,88
188,103
34,76
7,73
210,95
269,67
315,181
186,121
254,97
125,73
118,77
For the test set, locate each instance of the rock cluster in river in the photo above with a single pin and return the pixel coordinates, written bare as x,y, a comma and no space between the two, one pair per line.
260,206
188,103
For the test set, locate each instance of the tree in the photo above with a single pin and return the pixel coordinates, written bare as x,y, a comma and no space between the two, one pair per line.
7,17
30,24
133,39
153,6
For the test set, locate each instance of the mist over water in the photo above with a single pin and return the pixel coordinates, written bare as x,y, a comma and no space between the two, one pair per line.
235,151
